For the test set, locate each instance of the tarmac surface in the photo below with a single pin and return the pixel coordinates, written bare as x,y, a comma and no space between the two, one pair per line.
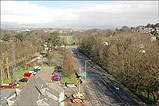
99,89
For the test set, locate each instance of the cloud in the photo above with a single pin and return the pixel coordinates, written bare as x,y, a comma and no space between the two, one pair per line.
131,13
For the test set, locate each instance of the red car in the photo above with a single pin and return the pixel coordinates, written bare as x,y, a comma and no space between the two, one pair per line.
77,100
55,78
10,85
27,74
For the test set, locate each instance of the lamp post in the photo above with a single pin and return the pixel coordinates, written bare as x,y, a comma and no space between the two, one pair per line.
85,67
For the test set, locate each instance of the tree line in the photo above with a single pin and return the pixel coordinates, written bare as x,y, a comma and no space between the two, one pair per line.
24,45
132,58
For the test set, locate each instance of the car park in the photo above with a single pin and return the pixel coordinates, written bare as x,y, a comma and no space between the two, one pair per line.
77,100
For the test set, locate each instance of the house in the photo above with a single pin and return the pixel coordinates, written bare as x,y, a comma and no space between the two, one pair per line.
147,30
157,29
37,93
140,30
153,38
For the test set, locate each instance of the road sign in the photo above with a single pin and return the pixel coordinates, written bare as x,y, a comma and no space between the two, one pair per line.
83,74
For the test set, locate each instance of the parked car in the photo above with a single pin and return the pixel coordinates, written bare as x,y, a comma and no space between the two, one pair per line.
25,79
10,85
53,64
36,70
116,87
58,67
77,100
27,74
45,63
58,70
67,84
55,78
57,73
37,67
33,72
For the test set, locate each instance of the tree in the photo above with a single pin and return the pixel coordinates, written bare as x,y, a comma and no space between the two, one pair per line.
125,28
19,37
6,37
53,40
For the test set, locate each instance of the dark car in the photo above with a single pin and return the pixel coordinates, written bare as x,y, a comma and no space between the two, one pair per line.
36,70
67,84
58,70
53,64
45,63
58,67
23,80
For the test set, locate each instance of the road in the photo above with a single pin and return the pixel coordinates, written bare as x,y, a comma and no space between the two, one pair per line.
99,88
4,94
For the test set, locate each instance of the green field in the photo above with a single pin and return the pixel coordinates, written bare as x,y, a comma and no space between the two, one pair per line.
69,39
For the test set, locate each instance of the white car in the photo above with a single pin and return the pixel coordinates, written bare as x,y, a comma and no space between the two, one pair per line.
37,67
33,72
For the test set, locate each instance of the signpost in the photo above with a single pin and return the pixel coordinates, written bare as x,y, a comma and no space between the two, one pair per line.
83,74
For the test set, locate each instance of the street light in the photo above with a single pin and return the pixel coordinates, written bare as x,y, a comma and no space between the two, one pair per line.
85,67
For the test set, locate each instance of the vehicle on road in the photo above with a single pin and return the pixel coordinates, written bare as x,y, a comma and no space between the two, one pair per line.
77,100
116,87
25,79
10,85
67,84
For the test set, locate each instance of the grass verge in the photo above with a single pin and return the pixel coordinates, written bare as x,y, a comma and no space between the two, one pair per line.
71,79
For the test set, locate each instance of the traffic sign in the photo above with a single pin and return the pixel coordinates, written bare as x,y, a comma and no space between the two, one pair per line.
83,74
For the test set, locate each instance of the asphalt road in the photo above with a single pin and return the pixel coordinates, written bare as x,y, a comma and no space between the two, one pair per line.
99,88
4,94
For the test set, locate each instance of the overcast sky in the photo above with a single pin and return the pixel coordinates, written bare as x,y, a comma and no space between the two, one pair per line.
71,13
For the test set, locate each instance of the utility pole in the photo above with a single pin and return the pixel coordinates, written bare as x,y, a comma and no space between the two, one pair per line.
1,65
14,62
7,68
79,81
86,67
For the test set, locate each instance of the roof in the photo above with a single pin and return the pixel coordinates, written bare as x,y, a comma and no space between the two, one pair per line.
32,92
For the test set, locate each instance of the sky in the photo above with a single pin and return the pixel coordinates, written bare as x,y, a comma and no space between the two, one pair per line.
77,14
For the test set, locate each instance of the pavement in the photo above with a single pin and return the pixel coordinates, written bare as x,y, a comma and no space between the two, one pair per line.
98,86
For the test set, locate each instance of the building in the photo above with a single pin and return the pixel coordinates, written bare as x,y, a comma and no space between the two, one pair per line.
157,29
36,93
